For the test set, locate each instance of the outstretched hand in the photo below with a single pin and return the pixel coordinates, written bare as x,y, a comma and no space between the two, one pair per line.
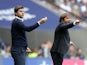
43,20
77,22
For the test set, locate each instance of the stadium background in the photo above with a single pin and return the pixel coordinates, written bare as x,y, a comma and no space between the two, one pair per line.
36,9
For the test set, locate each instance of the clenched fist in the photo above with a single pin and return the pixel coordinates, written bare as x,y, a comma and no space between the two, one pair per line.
77,22
43,20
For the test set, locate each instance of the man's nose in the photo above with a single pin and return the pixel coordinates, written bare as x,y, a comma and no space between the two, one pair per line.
22,12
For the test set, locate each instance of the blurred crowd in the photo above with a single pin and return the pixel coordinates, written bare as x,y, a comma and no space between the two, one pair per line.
74,52
4,48
43,51
75,7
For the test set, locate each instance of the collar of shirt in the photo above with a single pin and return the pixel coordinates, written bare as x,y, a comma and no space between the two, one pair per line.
19,18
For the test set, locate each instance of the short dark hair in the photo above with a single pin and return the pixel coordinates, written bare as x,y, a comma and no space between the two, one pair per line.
63,16
17,8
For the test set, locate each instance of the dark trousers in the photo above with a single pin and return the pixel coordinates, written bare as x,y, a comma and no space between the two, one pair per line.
18,55
57,58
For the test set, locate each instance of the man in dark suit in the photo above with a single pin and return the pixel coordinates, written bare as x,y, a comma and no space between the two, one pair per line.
62,39
19,42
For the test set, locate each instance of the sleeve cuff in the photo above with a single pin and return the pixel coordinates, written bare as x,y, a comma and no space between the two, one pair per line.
74,23
38,22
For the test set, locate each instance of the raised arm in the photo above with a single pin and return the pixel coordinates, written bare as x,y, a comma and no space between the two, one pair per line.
20,25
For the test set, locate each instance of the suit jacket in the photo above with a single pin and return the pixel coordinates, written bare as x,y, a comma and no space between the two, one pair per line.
18,33
61,38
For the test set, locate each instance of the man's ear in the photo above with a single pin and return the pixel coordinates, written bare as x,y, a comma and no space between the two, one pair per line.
62,20
15,14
